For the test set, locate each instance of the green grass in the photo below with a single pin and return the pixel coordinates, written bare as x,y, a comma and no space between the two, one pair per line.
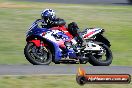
16,17
50,82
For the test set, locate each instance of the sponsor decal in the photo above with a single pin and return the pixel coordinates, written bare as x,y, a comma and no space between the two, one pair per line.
83,78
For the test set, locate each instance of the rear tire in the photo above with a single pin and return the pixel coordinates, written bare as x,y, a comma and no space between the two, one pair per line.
103,39
98,62
34,58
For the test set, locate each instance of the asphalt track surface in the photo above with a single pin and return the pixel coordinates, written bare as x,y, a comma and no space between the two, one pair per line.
122,2
67,69
61,70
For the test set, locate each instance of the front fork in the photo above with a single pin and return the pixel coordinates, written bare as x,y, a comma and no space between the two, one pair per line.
40,44
43,46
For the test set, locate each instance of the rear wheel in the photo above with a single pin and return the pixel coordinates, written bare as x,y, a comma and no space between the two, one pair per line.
37,55
104,58
101,38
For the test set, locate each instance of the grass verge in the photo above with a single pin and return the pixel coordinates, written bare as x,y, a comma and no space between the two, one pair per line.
50,82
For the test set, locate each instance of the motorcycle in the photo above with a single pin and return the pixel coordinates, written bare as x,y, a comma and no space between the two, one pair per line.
59,46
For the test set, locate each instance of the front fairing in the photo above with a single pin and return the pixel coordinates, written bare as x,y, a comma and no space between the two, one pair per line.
35,30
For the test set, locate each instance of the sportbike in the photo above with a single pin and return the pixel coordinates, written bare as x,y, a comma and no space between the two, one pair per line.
59,46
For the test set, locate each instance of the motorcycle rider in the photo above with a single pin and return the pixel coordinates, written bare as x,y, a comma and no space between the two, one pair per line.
50,20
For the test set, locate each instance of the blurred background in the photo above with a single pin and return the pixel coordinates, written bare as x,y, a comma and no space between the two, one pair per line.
16,16
115,16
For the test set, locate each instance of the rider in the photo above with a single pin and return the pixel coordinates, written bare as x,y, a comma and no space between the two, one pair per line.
50,20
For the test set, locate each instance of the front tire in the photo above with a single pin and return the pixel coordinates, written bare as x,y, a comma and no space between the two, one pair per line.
96,60
36,56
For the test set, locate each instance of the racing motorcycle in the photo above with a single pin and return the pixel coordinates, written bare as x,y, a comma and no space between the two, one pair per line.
59,46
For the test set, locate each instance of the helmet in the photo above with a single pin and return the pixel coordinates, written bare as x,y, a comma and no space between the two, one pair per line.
48,15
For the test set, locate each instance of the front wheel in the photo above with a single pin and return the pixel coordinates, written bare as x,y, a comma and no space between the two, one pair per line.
37,55
104,59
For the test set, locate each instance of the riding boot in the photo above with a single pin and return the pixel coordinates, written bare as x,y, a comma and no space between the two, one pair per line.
82,41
